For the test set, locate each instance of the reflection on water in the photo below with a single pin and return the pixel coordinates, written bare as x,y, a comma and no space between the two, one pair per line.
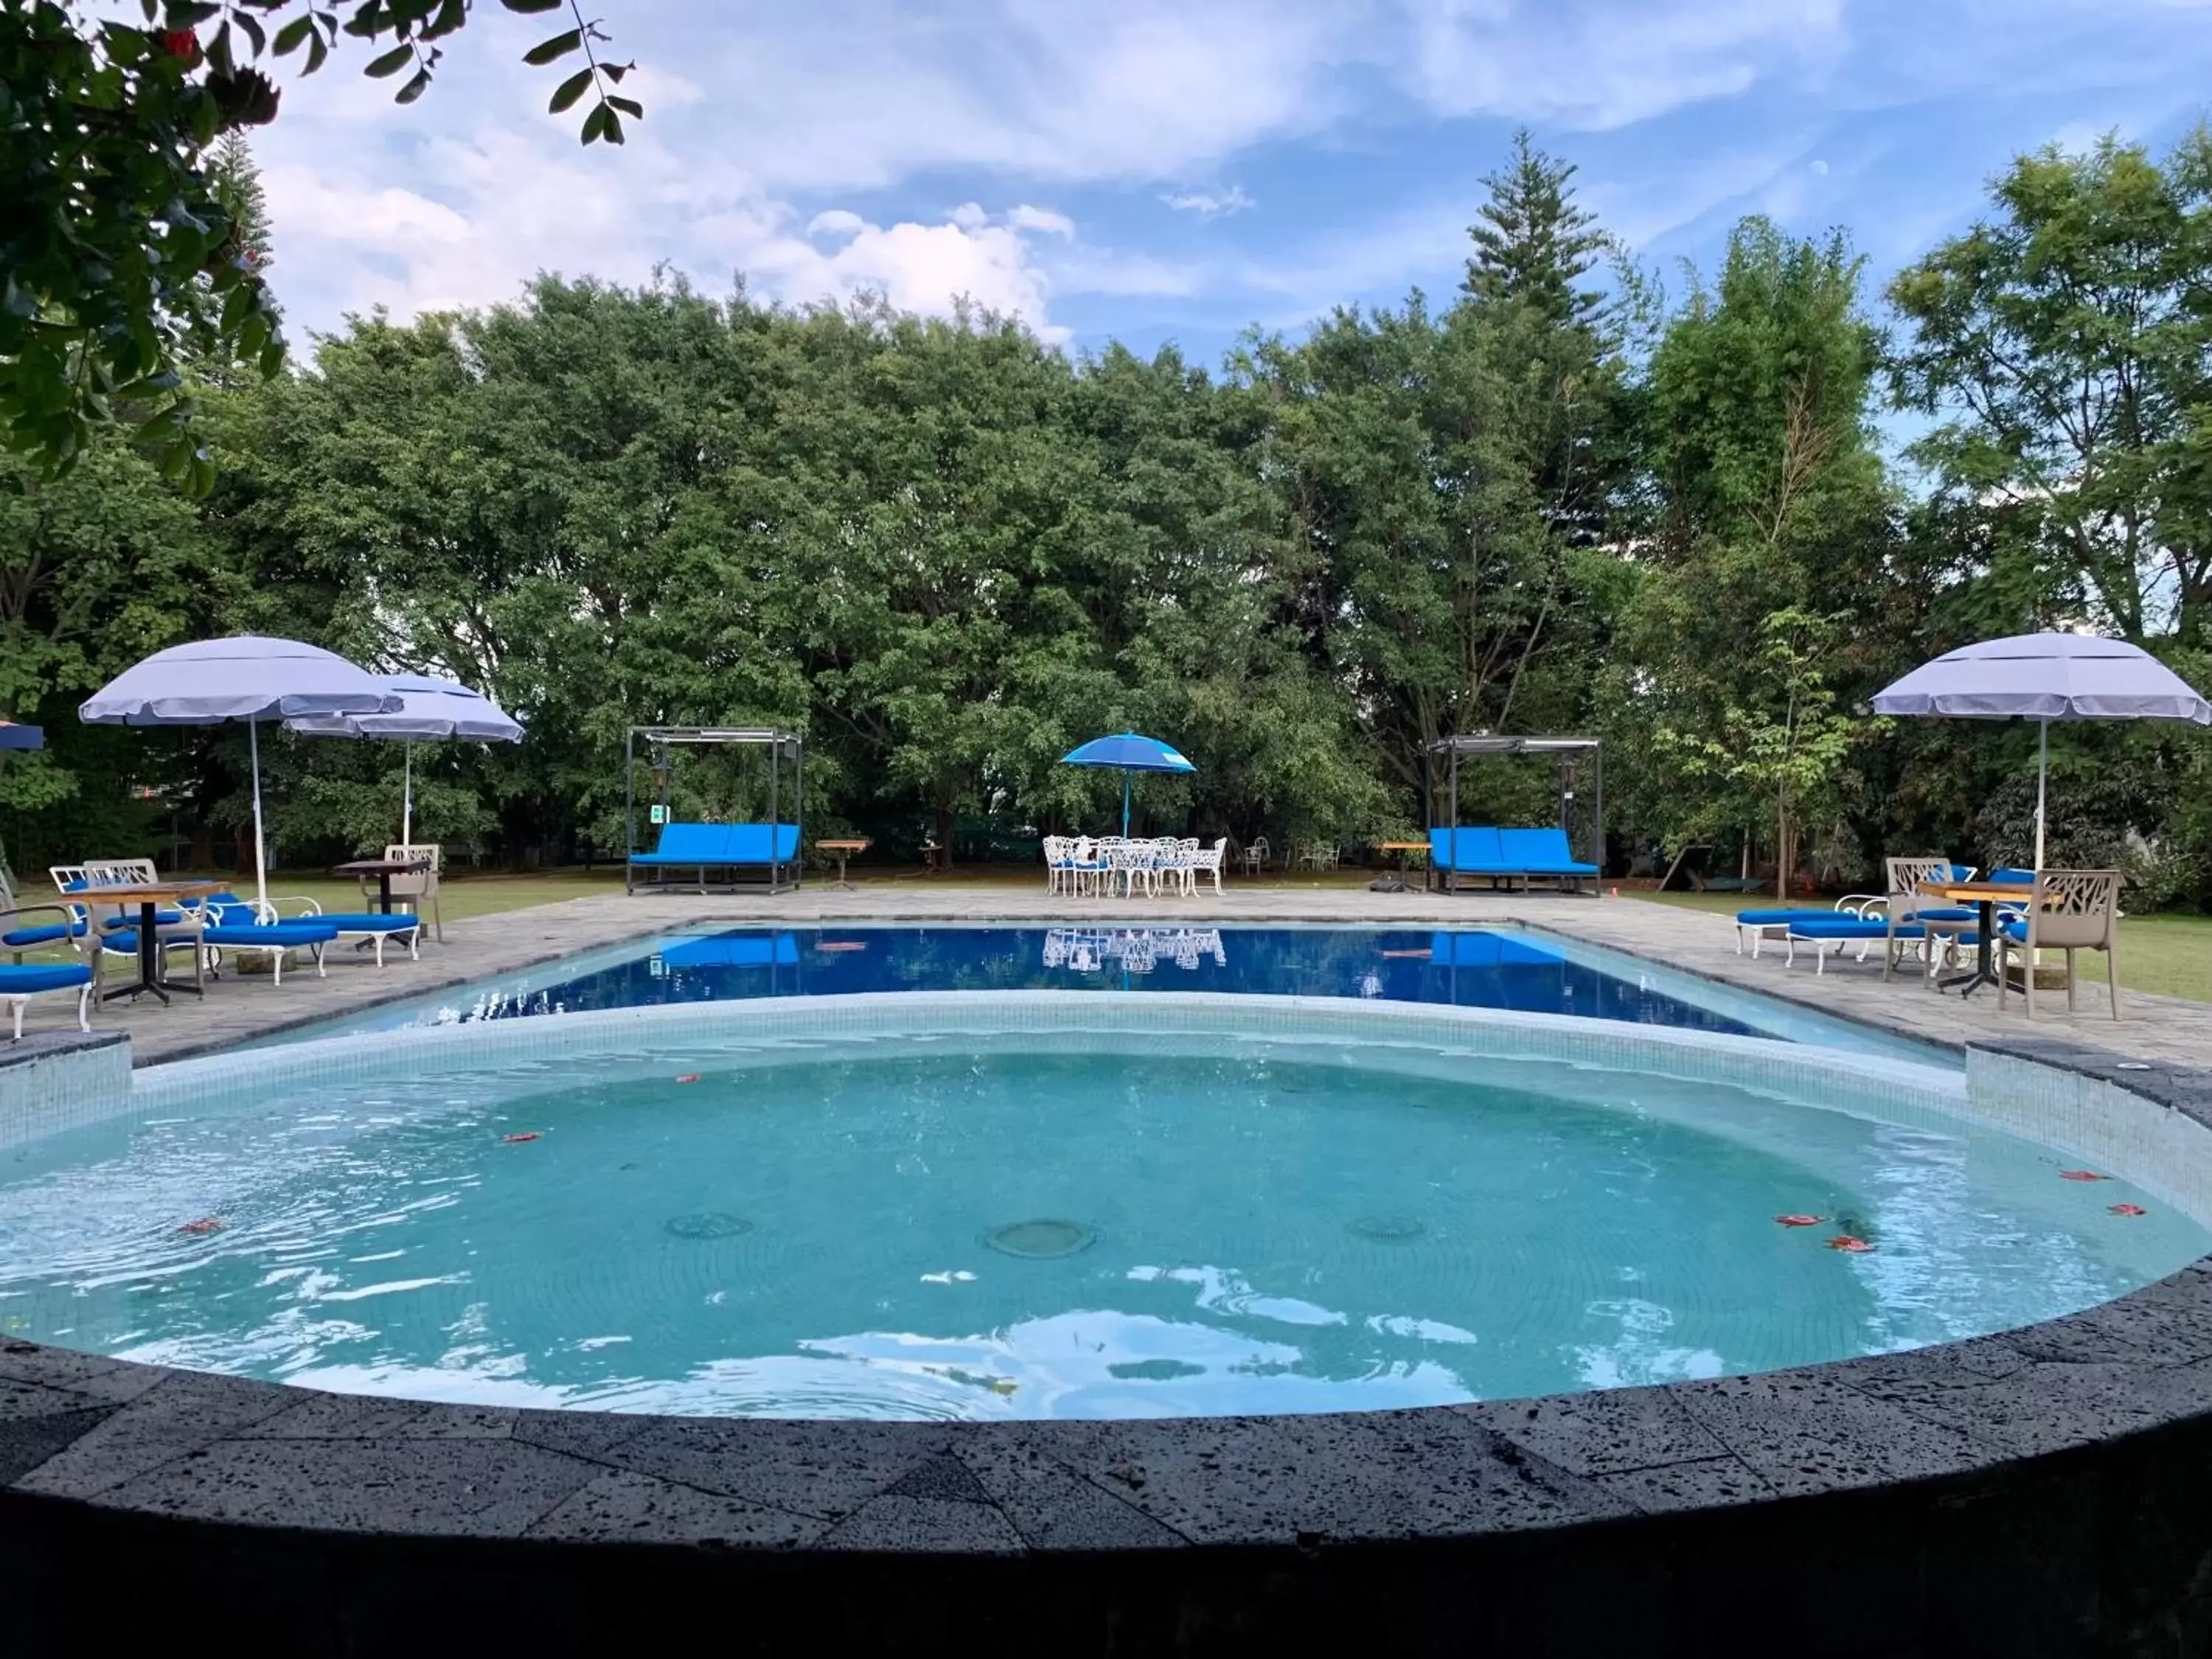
1137,950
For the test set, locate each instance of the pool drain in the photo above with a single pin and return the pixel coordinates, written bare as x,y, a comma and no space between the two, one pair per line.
706,1224
1042,1239
1386,1229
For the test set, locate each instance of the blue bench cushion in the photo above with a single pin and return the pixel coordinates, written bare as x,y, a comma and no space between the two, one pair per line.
742,952
709,844
366,921
271,934
52,933
32,977
1542,852
1470,851
1489,951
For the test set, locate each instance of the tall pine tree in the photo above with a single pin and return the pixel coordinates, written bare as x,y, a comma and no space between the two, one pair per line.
1533,243
235,182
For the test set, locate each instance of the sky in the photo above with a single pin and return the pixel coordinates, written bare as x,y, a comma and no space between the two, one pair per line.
1162,172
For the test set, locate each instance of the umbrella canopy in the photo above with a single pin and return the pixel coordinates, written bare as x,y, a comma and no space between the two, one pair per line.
2045,677
430,709
13,736
246,678
1127,752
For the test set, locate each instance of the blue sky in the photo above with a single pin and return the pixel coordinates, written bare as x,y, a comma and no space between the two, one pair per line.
1177,170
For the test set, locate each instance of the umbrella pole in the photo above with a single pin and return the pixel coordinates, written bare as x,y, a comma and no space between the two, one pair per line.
260,841
2042,781
1125,805
407,793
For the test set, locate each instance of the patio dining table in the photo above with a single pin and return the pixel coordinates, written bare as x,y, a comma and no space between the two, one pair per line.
383,870
1987,894
149,897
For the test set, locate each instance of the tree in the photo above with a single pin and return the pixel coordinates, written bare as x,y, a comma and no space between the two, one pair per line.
2065,348
117,225
1533,243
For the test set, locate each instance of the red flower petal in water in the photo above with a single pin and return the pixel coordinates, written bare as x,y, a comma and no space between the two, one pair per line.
206,1224
516,1140
1799,1220
2082,1175
1845,1242
2128,1209
688,1077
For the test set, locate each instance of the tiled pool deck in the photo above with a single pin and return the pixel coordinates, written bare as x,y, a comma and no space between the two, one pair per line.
2158,1028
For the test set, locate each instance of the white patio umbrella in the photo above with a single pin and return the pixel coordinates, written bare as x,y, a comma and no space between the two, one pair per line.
2045,677
430,710
246,678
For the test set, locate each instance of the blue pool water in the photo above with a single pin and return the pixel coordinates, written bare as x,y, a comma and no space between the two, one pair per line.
1525,972
980,1227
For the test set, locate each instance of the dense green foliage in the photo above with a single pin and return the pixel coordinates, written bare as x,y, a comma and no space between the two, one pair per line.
124,254
948,553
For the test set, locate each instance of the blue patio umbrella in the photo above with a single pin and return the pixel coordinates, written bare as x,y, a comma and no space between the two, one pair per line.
1127,752
13,736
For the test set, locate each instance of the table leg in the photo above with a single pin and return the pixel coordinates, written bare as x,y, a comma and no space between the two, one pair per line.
149,961
384,891
1984,951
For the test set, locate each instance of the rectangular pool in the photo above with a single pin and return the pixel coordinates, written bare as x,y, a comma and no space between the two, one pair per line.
1513,968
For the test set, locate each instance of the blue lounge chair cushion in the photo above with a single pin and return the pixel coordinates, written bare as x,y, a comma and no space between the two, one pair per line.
51,933
1945,913
123,941
274,935
2012,877
1829,924
162,919
708,844
1489,951
1774,918
1542,852
366,921
32,977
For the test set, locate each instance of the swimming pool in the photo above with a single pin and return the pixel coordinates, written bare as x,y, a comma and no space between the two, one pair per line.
1517,970
1040,1204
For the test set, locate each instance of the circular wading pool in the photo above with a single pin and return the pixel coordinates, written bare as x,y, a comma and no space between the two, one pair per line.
1227,1215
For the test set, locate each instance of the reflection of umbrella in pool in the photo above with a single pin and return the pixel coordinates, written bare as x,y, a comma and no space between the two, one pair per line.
1127,752
246,678
429,710
2045,677
20,737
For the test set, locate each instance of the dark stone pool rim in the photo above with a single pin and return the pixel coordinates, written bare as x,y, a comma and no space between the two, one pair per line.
2042,1490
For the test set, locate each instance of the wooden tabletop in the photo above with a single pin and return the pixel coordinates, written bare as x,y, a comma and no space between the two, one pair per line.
861,845
1402,845
1978,891
380,867
144,892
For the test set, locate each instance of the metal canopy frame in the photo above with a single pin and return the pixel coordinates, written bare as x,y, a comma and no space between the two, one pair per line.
784,747
1482,743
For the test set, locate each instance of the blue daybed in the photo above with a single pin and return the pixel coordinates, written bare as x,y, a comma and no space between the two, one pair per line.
1505,855
699,847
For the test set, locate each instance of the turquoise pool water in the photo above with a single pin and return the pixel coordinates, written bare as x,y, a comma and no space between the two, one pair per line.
989,1228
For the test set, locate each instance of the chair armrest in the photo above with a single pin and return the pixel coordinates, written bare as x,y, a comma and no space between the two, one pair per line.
1859,903
307,907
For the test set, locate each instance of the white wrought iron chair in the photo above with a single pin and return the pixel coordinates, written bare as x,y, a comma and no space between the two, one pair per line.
419,888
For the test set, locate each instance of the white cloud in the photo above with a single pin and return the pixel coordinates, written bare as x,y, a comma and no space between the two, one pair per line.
1818,166
836,221
917,267
1025,218
1209,203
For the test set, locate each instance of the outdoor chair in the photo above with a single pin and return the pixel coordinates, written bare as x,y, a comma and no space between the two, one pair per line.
1205,861
2071,910
1256,856
1905,909
249,927
419,888
21,981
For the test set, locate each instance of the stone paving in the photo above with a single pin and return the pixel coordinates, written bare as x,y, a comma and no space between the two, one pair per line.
238,1009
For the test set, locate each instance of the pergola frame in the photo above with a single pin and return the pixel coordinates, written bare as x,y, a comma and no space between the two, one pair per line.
784,749
1451,749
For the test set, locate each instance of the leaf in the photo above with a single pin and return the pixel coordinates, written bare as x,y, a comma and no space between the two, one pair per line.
389,62
565,95
595,123
531,7
293,35
190,14
614,72
629,106
415,88
252,29
559,46
317,51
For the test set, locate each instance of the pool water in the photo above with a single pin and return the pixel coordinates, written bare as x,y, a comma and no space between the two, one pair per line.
1000,1227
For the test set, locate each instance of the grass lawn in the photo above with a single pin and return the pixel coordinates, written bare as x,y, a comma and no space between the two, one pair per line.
2165,954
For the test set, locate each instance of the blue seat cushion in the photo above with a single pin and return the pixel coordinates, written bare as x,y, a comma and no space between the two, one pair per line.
1945,913
1542,852
708,844
1817,924
271,934
2009,877
162,919
31,977
1780,918
51,933
1489,951
366,921
123,941
1470,850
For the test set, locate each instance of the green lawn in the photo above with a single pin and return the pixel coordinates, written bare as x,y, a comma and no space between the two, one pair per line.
2167,955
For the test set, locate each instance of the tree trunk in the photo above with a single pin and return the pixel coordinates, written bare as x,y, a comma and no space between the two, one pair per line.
945,837
1782,858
